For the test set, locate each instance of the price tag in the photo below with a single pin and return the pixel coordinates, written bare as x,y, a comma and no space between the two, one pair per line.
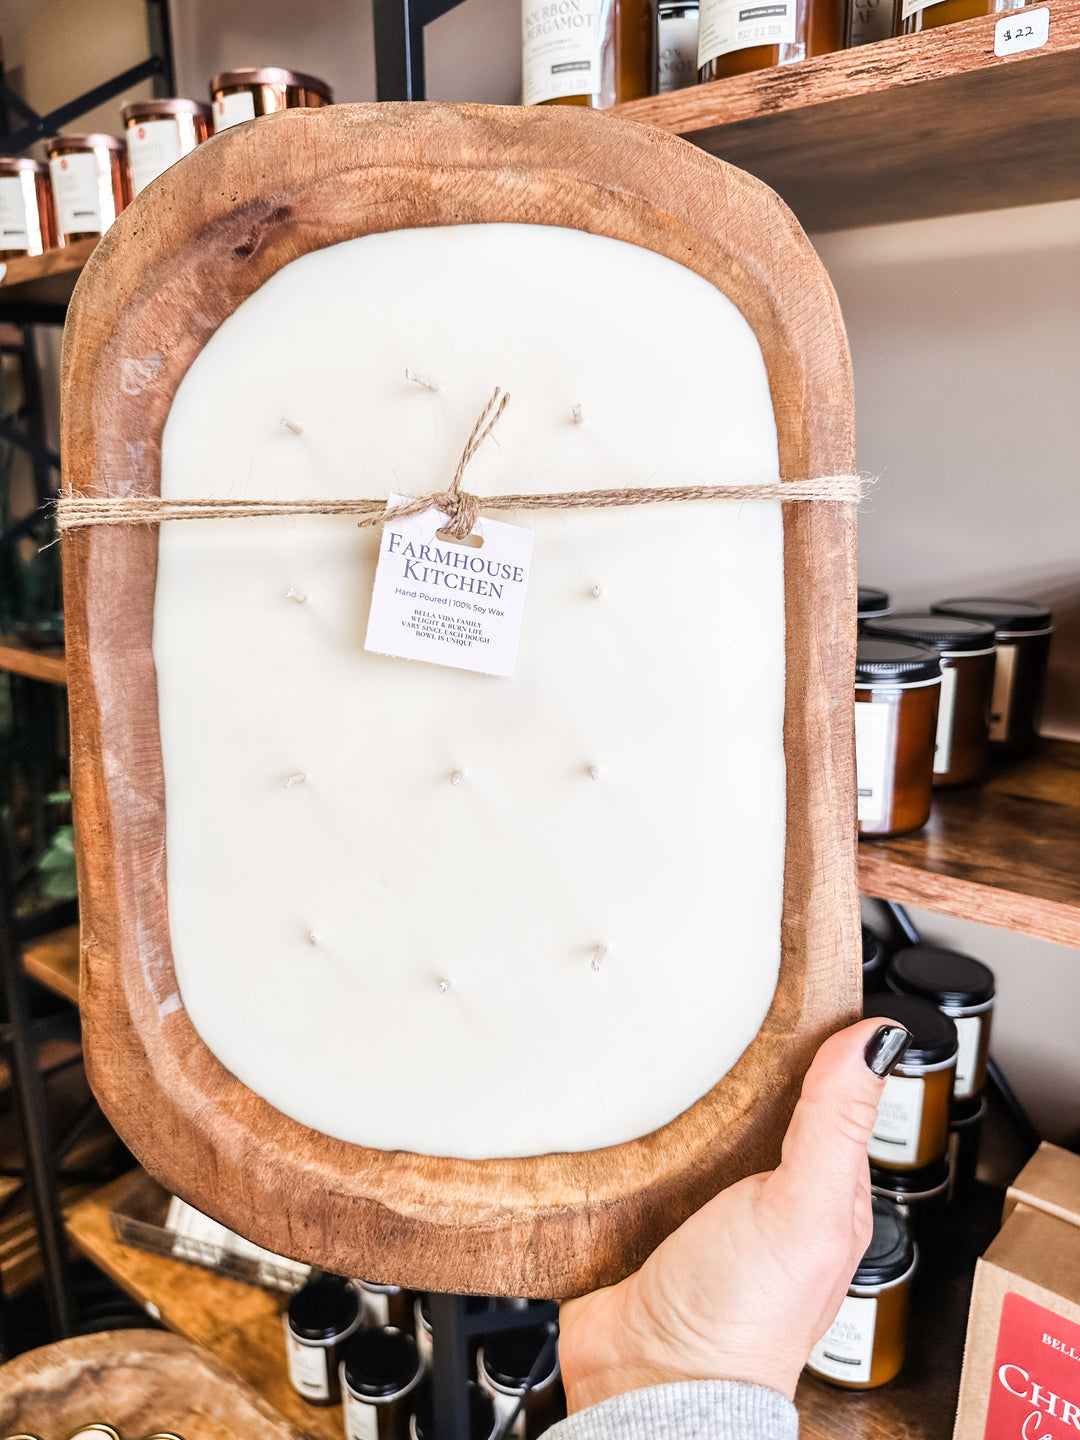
1022,30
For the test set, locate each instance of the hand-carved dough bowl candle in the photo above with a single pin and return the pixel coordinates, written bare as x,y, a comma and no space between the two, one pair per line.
240,95
160,132
27,217
601,854
91,183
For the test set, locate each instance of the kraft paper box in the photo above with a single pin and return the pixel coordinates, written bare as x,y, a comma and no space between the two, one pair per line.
1021,1378
1050,1181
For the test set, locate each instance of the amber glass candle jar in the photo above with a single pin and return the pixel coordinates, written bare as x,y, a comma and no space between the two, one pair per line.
593,52
872,604
864,1346
27,217
503,1366
912,1128
966,651
965,1132
482,1421
320,1317
240,95
1022,630
736,39
160,132
921,1196
380,1371
387,1304
676,45
91,183
915,15
963,989
896,709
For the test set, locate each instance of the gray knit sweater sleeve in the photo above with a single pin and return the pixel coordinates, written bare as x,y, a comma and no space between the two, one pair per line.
691,1410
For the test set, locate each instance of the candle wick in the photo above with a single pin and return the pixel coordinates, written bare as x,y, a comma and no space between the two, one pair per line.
577,416
596,592
291,426
314,937
432,385
598,956
297,779
593,772
456,777
298,595
442,986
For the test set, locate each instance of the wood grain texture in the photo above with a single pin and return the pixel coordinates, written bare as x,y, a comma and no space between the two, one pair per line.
239,1324
21,659
54,961
166,275
138,1381
49,278
1006,853
929,124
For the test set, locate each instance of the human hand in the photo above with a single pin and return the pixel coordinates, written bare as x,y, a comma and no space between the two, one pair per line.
747,1286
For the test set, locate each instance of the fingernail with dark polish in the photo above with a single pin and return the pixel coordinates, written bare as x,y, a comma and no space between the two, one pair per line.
885,1048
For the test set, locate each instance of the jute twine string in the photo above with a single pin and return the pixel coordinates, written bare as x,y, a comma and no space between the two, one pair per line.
78,512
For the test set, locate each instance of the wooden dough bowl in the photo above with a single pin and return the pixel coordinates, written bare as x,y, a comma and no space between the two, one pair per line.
172,268
139,1382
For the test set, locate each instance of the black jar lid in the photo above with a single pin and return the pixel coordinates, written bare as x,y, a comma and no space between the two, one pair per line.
940,632
969,1111
944,977
873,953
380,1363
891,1251
901,1185
324,1307
871,601
1022,615
933,1035
893,662
481,1412
510,1355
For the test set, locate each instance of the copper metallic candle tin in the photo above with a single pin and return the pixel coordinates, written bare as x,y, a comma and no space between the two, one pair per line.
240,95
160,132
91,183
27,216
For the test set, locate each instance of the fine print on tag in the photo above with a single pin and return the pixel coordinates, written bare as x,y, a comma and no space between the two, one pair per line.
1022,30
447,601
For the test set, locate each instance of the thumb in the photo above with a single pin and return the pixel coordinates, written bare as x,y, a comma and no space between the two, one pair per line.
823,1160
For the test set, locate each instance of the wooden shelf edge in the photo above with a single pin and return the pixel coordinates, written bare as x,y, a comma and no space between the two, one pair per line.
53,960
884,879
911,60
22,273
18,658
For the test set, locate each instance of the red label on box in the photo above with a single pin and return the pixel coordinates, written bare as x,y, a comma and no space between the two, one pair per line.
1035,1392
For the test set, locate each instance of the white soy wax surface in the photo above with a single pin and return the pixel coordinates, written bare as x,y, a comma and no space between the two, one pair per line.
496,916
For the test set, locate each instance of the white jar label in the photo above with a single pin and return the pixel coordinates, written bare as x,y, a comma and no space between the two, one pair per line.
899,1121
361,1419
728,25
874,726
676,51
946,708
1001,699
307,1367
376,1307
14,233
560,49
153,145
449,602
233,109
846,1350
77,188
968,1030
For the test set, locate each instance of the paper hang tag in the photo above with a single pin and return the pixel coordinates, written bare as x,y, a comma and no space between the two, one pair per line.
449,602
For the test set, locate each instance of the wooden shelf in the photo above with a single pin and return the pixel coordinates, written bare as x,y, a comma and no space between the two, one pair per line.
238,1323
54,961
929,124
45,279
40,664
1006,853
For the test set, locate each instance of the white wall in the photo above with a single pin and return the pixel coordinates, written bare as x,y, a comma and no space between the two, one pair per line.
965,334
